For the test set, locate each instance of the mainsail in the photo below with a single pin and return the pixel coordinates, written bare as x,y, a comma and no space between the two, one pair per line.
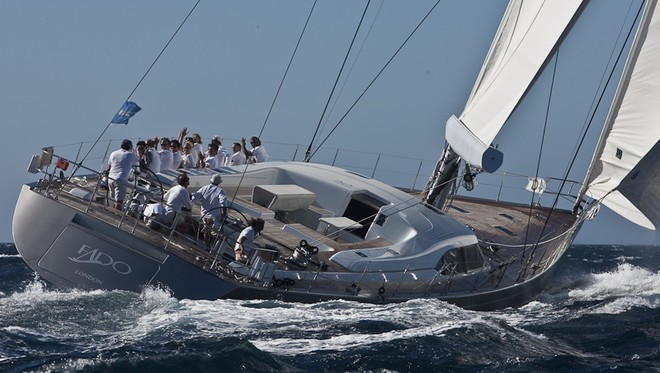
624,171
527,35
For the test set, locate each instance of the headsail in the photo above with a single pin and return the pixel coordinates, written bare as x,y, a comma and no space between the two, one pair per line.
624,171
527,35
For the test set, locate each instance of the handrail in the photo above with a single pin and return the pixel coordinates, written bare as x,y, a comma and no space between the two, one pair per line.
395,170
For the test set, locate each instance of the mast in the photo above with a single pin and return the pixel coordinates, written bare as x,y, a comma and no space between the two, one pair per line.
437,188
527,35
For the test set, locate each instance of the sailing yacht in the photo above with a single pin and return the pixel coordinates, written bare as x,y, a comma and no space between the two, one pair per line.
331,233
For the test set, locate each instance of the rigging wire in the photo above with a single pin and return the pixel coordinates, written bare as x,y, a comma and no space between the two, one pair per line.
79,164
603,82
334,86
591,119
141,80
302,33
286,72
375,78
600,98
540,155
357,56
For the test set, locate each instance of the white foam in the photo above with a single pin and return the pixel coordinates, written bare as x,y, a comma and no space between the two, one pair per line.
621,305
343,342
323,326
36,292
293,328
626,280
629,286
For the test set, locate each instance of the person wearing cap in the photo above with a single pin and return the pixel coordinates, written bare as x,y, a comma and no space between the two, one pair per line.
120,163
213,200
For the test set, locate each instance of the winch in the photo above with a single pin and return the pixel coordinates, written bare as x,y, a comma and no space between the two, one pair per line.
303,252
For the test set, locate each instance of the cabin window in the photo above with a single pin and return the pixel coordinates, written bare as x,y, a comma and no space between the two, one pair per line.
363,209
461,260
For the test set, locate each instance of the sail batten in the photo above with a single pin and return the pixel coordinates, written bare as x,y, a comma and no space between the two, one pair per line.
623,173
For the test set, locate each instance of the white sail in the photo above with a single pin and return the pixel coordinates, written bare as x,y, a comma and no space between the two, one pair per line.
624,172
527,35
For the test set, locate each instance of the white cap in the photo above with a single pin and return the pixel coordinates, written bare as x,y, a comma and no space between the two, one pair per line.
216,179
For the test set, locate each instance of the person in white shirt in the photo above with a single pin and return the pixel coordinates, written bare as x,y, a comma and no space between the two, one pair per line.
120,163
187,157
176,154
213,200
211,156
222,155
177,198
238,158
245,242
165,154
154,158
258,154
198,150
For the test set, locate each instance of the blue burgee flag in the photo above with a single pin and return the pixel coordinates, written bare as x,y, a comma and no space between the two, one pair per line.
128,109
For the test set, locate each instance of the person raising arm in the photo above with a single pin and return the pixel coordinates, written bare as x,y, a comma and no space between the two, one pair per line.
258,154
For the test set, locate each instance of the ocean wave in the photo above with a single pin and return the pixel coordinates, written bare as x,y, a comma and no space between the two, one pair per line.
625,287
627,279
43,329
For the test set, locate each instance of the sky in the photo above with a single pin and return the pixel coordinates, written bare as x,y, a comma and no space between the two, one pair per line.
67,66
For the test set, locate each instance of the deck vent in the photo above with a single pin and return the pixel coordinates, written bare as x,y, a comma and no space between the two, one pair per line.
505,230
459,209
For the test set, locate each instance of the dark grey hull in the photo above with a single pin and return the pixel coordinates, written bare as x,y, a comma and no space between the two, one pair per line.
480,300
73,250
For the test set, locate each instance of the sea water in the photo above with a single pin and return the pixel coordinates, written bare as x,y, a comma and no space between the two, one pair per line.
601,312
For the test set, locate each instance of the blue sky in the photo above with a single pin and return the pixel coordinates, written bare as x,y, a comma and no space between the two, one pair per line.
67,66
